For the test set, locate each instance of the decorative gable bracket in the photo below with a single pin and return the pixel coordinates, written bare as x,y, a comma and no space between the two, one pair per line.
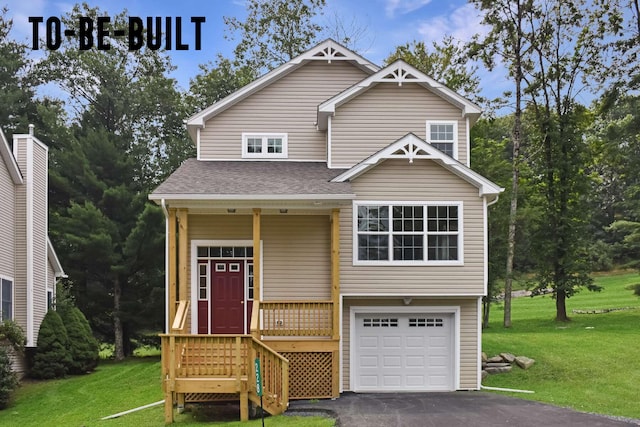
402,74
411,147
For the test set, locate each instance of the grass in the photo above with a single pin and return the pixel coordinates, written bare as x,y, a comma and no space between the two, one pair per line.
113,388
591,363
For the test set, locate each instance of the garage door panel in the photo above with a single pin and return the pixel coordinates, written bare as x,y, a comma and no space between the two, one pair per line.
368,341
415,361
369,361
415,342
404,352
392,381
415,380
369,381
392,342
391,361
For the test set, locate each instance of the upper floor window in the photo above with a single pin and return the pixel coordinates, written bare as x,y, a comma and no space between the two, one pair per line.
411,233
6,299
444,136
264,145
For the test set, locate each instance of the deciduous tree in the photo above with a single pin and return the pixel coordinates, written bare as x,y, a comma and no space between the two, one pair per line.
274,31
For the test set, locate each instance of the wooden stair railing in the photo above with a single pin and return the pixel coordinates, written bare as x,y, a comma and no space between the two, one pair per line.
223,364
275,379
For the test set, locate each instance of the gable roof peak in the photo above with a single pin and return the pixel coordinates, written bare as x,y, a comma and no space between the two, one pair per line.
328,50
411,147
398,72
10,160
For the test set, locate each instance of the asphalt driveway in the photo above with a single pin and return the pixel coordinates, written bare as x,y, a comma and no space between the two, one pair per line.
447,410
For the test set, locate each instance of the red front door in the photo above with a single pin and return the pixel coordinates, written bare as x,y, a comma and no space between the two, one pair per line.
227,297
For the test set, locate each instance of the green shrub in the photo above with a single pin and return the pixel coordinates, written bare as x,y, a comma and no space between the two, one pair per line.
82,344
12,332
53,356
8,378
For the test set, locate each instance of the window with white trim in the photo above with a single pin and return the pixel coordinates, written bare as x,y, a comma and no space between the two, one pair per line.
264,145
203,281
443,136
6,299
411,233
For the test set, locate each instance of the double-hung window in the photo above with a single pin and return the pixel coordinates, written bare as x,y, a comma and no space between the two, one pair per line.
408,233
264,145
6,299
444,136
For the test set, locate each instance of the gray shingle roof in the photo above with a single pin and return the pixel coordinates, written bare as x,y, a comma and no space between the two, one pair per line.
252,178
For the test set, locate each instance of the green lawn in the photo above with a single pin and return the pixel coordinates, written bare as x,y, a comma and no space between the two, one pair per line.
591,364
114,388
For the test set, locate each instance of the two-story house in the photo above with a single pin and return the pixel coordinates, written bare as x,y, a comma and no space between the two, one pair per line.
29,267
331,227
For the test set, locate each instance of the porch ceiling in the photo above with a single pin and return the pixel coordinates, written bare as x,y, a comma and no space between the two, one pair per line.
279,184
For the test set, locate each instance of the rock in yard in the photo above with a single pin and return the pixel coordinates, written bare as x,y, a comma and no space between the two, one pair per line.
496,364
495,359
524,362
501,370
484,356
508,357
484,374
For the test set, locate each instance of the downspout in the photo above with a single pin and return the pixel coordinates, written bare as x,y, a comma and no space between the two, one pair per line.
166,265
494,201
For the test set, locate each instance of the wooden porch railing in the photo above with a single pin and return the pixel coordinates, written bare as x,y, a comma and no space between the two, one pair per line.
222,364
295,318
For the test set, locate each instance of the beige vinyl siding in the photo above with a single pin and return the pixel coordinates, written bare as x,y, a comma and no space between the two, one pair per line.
40,260
469,338
384,114
296,250
297,257
287,106
7,220
20,284
422,180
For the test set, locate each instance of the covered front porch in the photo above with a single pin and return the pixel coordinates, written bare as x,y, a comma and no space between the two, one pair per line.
275,267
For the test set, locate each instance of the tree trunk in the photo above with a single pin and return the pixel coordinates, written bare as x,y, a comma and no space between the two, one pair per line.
561,306
486,308
515,177
117,322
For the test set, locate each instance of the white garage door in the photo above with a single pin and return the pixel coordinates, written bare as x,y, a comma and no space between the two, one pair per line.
398,352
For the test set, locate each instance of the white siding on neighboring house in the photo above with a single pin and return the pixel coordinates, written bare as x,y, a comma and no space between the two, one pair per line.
40,260
384,114
287,106
422,180
7,220
20,284
31,235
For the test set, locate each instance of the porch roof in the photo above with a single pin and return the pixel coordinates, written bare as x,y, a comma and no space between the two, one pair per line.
249,180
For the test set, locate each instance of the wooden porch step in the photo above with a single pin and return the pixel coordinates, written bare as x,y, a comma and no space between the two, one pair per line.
210,385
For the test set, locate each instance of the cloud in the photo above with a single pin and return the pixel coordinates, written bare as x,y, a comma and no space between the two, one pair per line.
403,6
462,24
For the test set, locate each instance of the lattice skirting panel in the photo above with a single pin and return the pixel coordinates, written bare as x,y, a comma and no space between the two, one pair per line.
309,375
209,397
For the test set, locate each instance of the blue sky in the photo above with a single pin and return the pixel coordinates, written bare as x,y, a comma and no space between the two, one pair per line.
388,22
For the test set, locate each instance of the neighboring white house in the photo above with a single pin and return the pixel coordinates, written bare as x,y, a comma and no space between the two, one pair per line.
29,267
